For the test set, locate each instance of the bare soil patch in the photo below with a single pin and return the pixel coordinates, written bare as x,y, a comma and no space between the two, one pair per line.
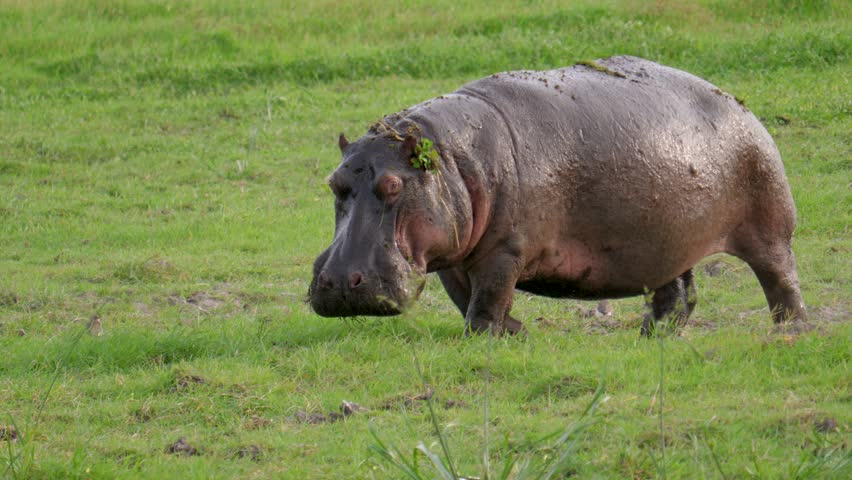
181,447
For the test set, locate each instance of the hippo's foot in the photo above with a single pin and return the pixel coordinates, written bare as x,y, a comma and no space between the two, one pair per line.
795,326
514,327
669,307
508,326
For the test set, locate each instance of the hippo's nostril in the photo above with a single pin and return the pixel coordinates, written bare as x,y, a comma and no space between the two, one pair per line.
323,281
355,279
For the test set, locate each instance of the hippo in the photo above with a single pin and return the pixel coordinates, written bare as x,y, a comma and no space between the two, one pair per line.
605,179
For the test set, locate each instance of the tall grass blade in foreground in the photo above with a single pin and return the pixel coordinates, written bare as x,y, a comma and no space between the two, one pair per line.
541,460
21,457
441,437
565,445
18,466
392,456
486,457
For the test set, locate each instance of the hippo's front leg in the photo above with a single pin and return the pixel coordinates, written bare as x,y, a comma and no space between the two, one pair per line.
492,284
457,285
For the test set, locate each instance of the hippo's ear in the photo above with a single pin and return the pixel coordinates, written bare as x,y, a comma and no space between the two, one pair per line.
342,142
407,147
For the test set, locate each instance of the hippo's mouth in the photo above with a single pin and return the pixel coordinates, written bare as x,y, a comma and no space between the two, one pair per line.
386,299
376,292
327,305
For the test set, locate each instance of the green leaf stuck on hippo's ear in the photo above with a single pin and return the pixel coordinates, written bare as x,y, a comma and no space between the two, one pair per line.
425,156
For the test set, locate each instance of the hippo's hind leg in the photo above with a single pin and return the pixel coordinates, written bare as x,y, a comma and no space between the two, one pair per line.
691,293
671,303
775,268
764,242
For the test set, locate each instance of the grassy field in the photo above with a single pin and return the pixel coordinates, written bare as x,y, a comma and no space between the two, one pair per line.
161,170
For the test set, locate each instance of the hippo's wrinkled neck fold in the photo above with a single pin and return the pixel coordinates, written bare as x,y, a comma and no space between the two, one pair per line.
474,167
438,229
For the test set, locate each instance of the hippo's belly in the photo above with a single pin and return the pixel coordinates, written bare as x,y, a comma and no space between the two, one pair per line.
582,269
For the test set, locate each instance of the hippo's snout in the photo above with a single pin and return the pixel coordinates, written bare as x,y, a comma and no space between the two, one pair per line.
347,292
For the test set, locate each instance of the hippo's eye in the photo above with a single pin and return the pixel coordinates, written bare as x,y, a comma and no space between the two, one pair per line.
389,187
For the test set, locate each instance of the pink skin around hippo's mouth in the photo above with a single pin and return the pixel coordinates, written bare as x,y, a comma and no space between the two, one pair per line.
408,248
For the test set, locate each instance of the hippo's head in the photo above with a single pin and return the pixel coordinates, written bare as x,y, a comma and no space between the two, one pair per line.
393,223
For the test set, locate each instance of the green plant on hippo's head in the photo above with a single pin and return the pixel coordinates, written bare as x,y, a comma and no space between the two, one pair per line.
425,156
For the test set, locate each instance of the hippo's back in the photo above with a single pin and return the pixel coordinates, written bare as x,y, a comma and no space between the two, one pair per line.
650,163
621,110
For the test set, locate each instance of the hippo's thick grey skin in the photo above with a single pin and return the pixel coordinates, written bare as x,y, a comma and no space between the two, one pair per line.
594,181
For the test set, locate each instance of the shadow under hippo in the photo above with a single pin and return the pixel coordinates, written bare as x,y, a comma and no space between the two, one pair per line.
605,179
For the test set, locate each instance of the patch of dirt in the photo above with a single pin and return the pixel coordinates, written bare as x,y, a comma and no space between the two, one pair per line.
143,308
96,326
181,447
256,422
544,322
203,301
826,425
748,314
820,422
831,314
455,404
603,320
407,400
316,418
251,452
7,299
9,433
703,323
602,309
143,413
183,382
603,326
819,318
347,409
608,324
207,301
787,329
350,408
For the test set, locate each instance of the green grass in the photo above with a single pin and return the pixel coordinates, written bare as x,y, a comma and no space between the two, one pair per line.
162,166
